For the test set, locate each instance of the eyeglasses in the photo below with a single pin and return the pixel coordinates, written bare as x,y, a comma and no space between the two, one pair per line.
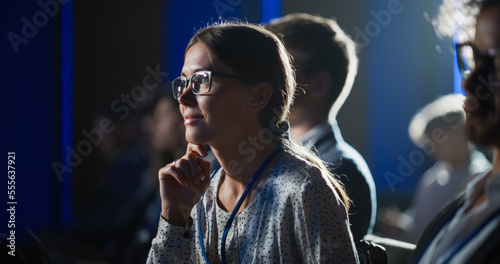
201,82
468,57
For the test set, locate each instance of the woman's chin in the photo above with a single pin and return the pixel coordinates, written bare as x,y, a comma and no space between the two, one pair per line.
196,138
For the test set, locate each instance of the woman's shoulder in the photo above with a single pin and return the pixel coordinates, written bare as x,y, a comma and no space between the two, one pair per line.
294,170
300,180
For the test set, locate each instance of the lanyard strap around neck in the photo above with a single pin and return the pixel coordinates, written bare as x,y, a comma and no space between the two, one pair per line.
236,208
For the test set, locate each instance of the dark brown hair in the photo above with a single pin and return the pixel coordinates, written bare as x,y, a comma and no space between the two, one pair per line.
257,55
326,48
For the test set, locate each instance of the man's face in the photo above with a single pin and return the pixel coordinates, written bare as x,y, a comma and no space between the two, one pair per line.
482,87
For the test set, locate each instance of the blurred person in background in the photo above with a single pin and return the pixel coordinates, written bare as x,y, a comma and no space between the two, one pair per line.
123,159
326,65
468,229
167,143
438,128
121,219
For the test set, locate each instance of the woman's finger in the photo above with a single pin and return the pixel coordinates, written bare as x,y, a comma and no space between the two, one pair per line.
196,148
195,169
182,165
205,169
170,171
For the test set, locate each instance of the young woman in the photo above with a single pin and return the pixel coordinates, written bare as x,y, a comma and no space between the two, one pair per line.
271,201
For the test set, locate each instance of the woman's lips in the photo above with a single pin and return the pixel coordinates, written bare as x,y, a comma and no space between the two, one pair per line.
190,119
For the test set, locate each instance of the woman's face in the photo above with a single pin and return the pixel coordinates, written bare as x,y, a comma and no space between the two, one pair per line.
220,115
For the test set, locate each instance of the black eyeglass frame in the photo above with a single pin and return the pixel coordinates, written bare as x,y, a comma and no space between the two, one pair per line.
465,69
189,80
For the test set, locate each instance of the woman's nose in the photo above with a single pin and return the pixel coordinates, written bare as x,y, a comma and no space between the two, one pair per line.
187,97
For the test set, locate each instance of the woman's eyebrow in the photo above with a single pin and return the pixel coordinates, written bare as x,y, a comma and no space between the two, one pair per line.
198,70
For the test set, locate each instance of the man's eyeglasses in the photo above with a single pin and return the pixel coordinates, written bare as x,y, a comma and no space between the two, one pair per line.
468,57
200,82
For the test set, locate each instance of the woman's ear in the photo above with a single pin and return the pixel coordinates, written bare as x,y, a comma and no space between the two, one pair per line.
261,94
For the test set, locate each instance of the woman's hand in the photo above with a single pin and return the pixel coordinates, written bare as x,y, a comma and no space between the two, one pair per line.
182,183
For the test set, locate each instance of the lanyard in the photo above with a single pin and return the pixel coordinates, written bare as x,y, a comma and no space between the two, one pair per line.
236,208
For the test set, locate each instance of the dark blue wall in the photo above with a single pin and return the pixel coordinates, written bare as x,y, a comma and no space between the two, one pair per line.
408,66
30,72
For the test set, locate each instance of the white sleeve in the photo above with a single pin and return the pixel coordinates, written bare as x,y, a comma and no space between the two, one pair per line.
172,244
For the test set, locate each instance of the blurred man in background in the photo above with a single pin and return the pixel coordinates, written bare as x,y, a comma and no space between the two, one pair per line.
326,65
468,229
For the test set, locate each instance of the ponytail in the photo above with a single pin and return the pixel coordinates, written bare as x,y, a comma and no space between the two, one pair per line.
282,137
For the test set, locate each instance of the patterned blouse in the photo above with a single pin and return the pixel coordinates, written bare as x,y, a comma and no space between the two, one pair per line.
296,217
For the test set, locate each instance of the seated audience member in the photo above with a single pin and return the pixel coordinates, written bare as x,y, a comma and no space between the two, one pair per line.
326,65
129,221
468,229
271,201
167,142
96,222
438,128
